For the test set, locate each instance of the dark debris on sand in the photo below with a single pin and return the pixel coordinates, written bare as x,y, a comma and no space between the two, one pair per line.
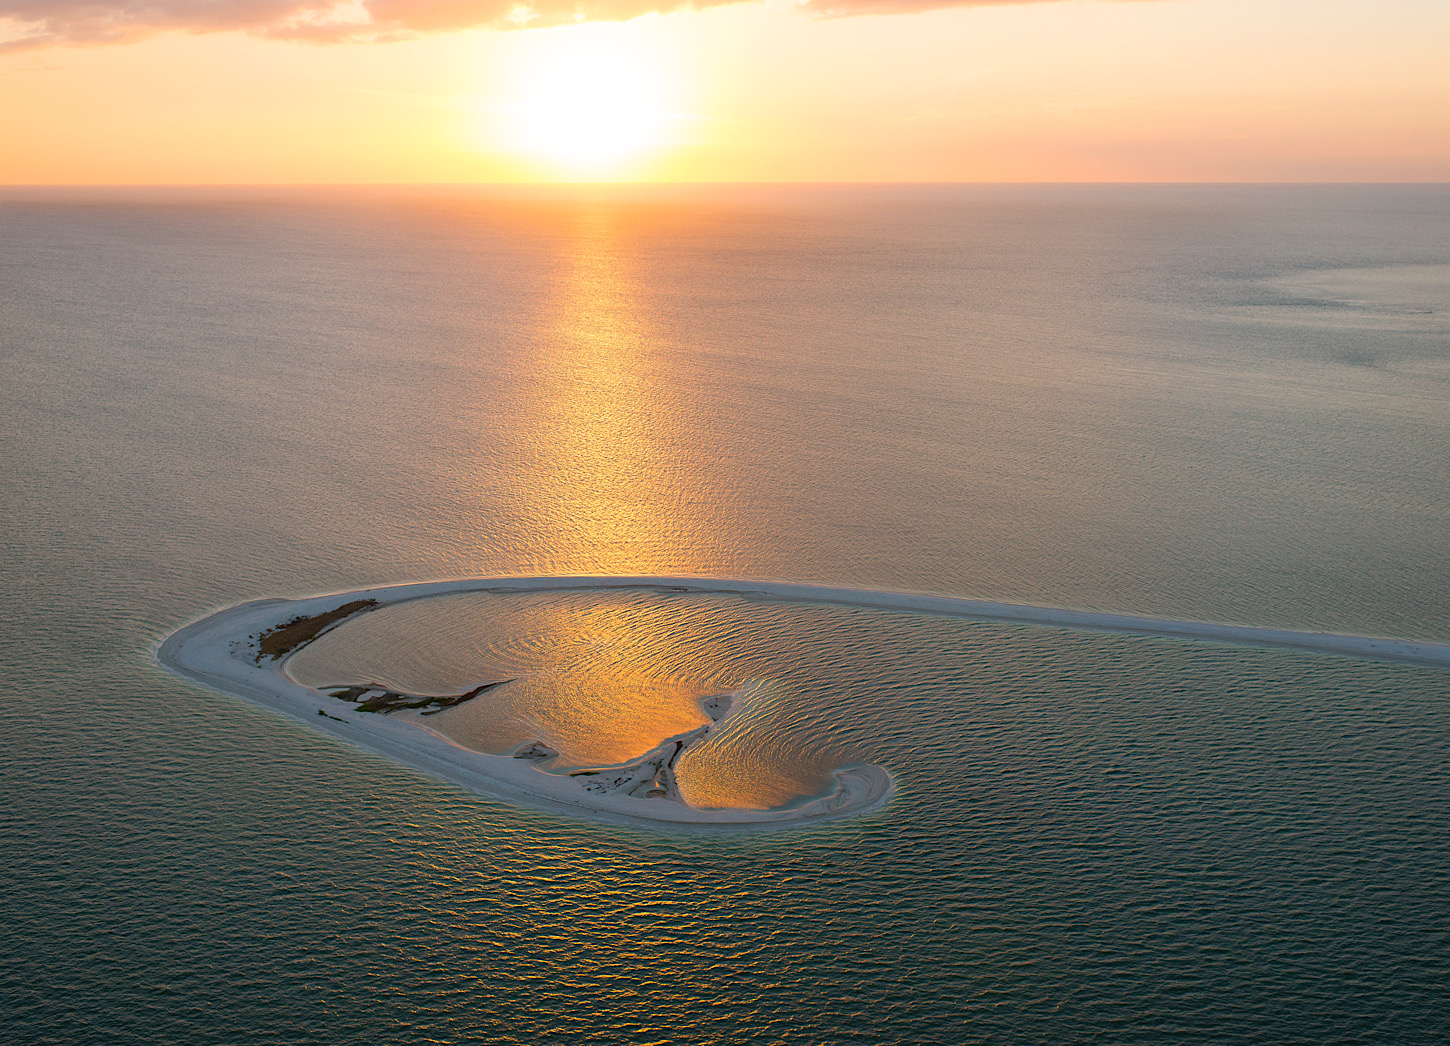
370,698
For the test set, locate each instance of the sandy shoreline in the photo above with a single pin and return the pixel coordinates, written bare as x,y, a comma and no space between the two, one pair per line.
216,651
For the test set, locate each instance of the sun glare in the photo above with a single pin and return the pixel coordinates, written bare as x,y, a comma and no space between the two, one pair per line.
587,102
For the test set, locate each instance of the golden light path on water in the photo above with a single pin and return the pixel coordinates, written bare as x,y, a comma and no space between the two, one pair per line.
601,478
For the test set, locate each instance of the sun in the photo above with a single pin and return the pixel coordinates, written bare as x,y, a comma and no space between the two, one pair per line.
587,101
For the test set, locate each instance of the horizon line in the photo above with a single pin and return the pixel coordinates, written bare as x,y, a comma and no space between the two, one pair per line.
12,186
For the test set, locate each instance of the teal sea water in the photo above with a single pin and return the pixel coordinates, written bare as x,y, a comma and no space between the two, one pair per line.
1226,404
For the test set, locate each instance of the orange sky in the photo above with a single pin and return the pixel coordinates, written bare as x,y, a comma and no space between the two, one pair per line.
1178,90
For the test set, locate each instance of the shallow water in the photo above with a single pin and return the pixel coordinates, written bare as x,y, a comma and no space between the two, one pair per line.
1226,404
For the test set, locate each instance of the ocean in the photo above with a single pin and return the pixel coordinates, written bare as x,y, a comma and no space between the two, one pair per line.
1219,403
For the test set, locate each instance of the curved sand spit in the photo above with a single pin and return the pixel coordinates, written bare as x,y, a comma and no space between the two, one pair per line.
221,651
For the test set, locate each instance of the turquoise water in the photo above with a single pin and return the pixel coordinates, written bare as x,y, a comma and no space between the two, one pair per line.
1207,403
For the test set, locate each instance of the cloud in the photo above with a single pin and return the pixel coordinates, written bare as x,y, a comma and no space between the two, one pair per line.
42,23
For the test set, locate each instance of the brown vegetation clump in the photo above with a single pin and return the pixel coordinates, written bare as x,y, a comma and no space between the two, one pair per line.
287,637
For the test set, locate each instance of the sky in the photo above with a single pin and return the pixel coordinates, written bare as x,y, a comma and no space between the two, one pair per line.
107,92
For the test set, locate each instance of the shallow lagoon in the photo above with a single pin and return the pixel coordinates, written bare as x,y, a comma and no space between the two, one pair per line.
601,677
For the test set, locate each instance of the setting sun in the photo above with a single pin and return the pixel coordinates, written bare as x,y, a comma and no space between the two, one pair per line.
587,101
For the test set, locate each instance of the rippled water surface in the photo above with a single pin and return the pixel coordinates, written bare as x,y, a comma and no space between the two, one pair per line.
1224,404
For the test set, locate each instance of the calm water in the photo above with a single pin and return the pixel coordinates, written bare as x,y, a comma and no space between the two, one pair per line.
1230,404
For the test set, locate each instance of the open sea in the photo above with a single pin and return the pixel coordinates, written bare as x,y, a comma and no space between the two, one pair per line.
1217,403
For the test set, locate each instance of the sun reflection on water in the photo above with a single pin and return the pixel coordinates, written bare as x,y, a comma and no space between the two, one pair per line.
607,489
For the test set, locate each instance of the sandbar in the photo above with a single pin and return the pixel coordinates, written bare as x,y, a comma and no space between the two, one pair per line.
243,649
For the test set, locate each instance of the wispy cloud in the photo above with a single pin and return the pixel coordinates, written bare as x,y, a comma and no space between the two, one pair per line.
27,24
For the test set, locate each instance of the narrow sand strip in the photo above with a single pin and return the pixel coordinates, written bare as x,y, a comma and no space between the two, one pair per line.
218,651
